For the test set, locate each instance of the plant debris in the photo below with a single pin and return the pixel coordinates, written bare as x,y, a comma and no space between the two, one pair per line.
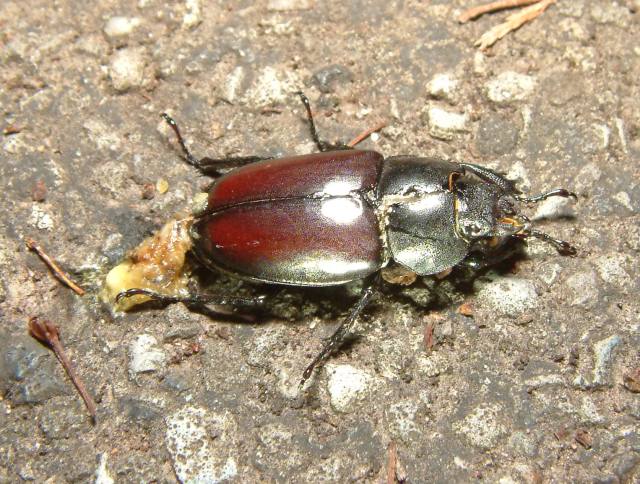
513,22
47,333
61,275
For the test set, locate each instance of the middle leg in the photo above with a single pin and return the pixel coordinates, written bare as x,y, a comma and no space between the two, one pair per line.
209,166
344,330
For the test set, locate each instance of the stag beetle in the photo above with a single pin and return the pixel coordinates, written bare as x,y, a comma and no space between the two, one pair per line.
345,214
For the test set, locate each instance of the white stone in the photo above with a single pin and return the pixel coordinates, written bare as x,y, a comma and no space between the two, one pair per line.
120,26
346,385
482,427
510,86
584,287
193,457
433,365
402,419
40,219
127,69
611,268
273,86
509,295
624,199
589,411
144,355
443,86
102,474
193,15
444,124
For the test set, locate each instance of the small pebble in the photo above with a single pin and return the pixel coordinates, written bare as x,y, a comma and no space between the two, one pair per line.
482,427
102,475
346,385
510,296
117,27
190,447
273,86
583,289
127,69
443,86
40,219
148,191
402,420
631,380
509,87
444,124
193,17
327,77
144,355
612,269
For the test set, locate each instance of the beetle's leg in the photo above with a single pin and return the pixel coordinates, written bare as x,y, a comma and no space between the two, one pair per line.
220,299
339,336
208,166
322,145
558,192
492,177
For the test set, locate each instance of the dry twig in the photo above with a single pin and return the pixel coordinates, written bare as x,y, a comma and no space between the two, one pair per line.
47,333
392,463
55,268
362,136
428,337
513,21
476,12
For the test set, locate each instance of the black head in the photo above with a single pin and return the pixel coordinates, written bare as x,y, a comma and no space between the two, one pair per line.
487,215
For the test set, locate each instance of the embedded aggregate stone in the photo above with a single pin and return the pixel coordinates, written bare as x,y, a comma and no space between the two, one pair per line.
195,458
346,386
509,87
508,295
482,427
127,69
117,27
583,289
445,124
145,355
444,86
329,76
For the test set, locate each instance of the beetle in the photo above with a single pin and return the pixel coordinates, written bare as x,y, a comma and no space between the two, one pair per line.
344,214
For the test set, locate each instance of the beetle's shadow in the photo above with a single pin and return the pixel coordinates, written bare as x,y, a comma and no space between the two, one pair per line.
293,303
287,303
460,283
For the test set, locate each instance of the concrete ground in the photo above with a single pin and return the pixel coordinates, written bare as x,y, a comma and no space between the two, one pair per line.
532,372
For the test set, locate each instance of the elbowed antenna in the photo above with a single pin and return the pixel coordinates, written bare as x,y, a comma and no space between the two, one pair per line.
558,192
563,247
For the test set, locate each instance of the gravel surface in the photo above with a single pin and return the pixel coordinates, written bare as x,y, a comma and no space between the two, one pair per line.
531,374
